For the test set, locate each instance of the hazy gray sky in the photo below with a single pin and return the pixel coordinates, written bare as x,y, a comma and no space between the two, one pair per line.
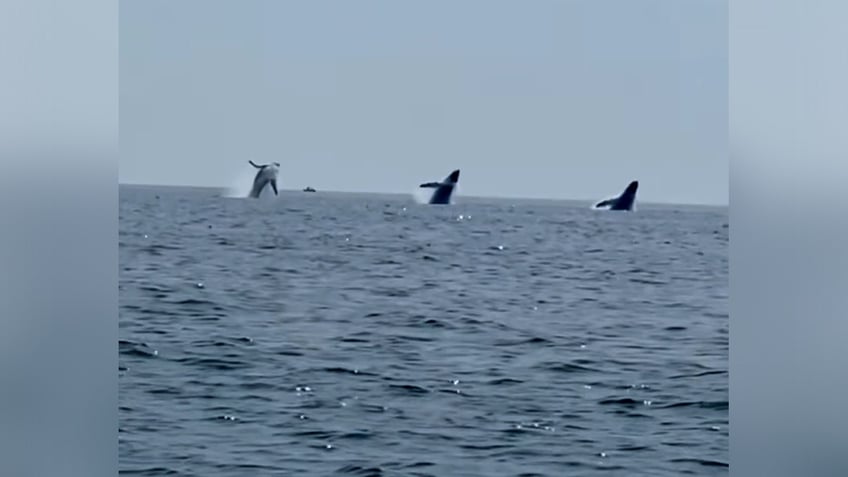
544,98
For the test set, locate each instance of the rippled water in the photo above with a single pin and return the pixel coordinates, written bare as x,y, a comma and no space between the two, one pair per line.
342,334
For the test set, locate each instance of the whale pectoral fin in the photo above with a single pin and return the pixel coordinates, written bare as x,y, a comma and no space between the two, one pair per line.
255,165
605,203
274,186
430,184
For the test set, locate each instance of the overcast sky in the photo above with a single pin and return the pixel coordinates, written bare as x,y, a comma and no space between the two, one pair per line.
563,99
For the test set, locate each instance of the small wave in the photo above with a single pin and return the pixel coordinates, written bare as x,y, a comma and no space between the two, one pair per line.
149,471
323,435
392,292
435,323
259,386
387,261
645,281
626,402
196,302
156,288
533,340
698,375
569,368
634,448
215,363
374,408
681,444
132,348
704,462
504,381
289,352
360,471
342,370
165,391
416,465
357,435
251,467
717,405
485,447
349,339
455,392
409,388
402,338
257,397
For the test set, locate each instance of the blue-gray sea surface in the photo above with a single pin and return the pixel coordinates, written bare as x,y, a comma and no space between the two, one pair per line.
355,334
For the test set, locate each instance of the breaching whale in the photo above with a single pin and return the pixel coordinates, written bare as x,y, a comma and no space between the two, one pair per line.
444,190
267,174
624,201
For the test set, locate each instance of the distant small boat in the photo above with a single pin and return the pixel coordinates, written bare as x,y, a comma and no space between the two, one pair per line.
309,189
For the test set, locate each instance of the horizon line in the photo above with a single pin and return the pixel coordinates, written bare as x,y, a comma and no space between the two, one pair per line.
554,199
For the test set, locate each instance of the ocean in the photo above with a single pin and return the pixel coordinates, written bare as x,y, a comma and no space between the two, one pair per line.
336,334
